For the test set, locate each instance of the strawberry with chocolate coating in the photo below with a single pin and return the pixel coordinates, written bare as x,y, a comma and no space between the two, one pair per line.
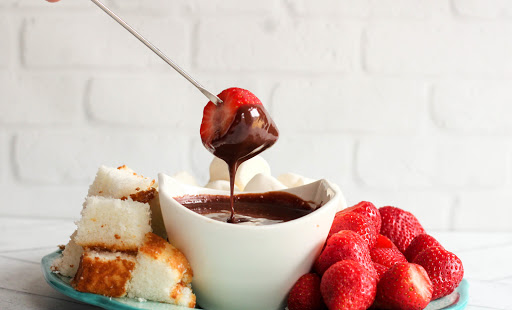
305,294
242,120
400,226
347,285
404,286
444,269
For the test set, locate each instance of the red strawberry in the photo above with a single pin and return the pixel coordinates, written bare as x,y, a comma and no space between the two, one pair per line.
368,210
399,226
219,120
305,294
404,286
418,244
347,285
357,223
384,242
444,269
345,244
387,257
380,269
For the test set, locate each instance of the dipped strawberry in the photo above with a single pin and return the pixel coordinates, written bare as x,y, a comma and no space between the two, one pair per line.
238,128
305,294
347,285
344,245
400,226
444,269
404,286
368,210
357,223
418,244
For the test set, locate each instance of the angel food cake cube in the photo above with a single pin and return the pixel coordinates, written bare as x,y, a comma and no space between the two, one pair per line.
104,273
123,183
118,183
67,265
113,224
162,273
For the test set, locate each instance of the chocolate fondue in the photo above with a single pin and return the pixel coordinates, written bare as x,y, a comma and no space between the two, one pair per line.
254,209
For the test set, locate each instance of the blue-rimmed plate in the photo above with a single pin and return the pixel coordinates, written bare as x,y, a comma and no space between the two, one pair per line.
455,301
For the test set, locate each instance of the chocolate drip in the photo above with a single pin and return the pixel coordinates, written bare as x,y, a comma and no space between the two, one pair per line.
251,132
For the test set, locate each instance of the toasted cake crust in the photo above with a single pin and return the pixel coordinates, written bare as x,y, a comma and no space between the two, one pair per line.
158,248
107,276
162,273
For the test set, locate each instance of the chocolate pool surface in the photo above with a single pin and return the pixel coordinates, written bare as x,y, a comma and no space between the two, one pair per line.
256,209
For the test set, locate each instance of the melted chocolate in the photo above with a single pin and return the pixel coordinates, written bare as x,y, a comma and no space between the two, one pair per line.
251,132
257,209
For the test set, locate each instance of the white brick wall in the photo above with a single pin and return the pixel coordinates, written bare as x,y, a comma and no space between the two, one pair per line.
483,8
4,157
258,44
400,102
436,48
420,9
474,106
362,105
40,99
148,101
425,162
116,47
6,42
73,156
492,218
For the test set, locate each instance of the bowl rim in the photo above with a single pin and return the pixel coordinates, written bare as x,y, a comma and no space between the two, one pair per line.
322,183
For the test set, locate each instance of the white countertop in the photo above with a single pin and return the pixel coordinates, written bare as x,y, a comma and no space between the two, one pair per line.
23,242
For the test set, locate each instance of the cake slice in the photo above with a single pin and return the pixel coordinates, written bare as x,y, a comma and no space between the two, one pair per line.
113,224
124,183
104,273
67,264
162,273
118,183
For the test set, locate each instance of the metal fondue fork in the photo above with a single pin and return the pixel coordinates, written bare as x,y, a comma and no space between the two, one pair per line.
216,100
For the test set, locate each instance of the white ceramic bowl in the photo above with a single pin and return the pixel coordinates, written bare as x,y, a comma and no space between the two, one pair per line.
247,267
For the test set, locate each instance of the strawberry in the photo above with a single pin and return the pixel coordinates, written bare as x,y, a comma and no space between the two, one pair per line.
368,210
223,121
418,244
347,285
384,242
380,269
345,244
355,222
399,226
387,257
305,294
444,269
404,286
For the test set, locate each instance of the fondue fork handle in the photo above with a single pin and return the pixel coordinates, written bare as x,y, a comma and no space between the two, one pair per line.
216,100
